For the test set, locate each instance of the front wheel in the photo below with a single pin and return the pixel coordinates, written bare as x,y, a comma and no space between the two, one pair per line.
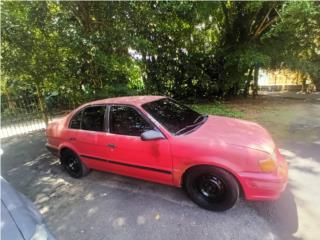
211,188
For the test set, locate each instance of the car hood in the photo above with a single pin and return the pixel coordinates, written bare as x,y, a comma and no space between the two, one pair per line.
19,217
234,132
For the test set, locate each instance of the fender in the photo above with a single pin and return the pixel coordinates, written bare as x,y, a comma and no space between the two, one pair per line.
69,146
215,162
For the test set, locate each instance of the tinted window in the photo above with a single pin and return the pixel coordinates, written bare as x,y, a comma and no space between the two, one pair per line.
76,121
125,120
172,115
93,118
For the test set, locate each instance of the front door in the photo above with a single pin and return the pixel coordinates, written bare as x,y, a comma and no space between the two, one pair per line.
132,156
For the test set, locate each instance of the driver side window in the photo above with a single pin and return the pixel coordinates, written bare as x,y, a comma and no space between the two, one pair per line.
125,120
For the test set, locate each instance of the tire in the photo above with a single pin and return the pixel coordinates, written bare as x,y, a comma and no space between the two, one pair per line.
73,165
211,188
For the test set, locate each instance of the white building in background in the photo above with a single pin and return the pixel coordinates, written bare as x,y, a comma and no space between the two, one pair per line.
282,79
263,78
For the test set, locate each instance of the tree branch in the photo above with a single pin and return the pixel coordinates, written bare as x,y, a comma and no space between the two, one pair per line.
268,24
225,12
263,21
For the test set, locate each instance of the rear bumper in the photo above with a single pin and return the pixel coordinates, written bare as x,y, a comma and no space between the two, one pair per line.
265,186
53,150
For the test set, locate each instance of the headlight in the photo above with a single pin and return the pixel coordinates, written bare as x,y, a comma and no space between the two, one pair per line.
268,165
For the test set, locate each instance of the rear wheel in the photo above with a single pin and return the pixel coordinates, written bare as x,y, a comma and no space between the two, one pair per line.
73,165
212,188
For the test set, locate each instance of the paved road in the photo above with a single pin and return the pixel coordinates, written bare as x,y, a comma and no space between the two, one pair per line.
106,206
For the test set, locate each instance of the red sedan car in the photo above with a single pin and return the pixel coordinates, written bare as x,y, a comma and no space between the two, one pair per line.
157,139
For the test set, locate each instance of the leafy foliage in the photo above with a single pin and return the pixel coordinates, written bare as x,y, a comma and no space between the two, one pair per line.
295,41
217,109
188,50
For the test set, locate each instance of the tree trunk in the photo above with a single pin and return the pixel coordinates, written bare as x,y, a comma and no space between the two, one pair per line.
255,81
11,102
42,105
247,83
317,84
303,83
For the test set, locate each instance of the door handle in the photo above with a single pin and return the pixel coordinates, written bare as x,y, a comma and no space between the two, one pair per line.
111,145
72,139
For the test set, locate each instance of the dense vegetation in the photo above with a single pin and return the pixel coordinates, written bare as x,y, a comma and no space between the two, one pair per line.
187,50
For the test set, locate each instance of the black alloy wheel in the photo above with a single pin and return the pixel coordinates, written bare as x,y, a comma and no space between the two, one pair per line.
211,188
73,165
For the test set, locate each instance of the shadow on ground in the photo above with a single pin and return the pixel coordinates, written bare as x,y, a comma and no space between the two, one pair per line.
107,206
282,215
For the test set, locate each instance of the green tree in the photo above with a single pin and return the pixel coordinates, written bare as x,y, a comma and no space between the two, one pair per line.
188,50
29,49
294,42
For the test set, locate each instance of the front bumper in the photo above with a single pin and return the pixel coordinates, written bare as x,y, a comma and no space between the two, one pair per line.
265,186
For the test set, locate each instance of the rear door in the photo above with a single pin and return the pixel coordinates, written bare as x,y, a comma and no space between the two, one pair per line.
132,156
88,134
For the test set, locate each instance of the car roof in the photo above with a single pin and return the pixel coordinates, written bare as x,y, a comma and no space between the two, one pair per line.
131,100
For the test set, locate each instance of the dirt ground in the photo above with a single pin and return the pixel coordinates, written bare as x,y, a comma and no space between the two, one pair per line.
106,206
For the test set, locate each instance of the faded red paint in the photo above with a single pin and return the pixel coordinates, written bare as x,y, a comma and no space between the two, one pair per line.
232,144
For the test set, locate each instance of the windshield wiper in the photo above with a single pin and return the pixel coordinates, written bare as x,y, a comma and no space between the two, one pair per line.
199,117
191,125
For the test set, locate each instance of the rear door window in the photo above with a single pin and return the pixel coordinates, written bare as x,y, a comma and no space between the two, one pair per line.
75,122
93,118
90,118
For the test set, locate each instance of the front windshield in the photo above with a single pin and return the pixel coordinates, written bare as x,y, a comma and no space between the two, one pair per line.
173,116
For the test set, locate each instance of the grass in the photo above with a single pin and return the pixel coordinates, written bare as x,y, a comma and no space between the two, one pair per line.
216,109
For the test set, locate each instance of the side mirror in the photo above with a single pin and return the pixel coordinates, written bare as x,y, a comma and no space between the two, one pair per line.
151,135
